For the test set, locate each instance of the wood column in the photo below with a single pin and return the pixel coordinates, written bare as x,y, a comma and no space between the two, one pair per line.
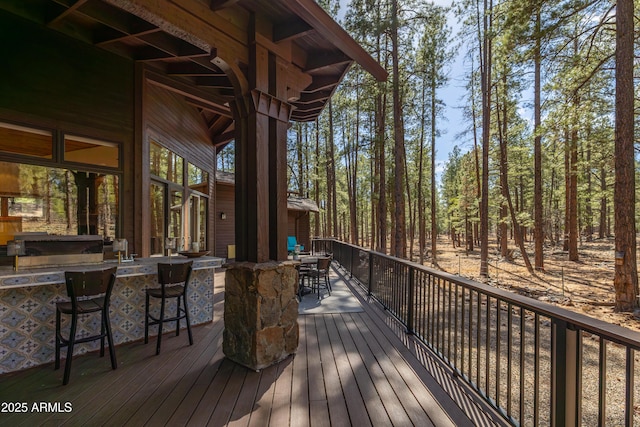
262,120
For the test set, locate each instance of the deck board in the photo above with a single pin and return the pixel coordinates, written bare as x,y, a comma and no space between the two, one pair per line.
350,369
336,405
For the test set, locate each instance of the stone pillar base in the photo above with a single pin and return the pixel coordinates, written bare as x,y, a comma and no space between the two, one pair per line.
260,313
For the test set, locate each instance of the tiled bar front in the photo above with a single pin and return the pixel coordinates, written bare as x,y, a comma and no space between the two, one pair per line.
28,312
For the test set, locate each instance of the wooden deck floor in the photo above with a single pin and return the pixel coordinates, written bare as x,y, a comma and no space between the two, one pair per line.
350,369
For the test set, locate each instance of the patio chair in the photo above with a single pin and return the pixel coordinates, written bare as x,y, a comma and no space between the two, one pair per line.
319,275
174,281
89,292
291,244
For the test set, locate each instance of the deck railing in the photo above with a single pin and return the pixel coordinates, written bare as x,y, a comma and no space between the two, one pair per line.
536,363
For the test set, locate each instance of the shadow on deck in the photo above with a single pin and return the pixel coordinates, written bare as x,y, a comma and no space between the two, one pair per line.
350,368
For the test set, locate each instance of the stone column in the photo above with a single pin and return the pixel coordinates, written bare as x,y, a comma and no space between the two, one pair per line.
260,313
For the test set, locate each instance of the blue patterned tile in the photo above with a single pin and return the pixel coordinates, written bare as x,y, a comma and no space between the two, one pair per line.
44,354
12,361
28,346
43,293
14,297
50,278
32,319
43,334
15,281
43,313
13,340
13,318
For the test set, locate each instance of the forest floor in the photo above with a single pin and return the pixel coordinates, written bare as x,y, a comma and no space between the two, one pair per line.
585,286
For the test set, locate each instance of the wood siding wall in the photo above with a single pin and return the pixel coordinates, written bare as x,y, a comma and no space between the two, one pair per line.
172,122
297,222
52,81
298,225
225,228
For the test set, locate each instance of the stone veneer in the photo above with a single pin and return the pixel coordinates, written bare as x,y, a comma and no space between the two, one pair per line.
260,313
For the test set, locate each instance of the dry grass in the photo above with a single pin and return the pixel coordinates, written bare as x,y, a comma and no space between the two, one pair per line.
585,286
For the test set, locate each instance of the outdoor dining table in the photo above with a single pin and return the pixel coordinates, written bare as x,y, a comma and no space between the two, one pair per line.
306,262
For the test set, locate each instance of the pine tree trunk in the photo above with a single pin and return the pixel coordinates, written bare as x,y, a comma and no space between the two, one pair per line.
602,229
486,134
538,216
316,183
626,269
400,247
421,214
573,195
434,223
504,172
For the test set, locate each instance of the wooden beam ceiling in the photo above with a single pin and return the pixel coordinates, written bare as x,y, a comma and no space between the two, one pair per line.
221,4
317,61
290,30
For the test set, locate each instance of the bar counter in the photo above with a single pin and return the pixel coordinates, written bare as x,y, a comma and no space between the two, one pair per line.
28,311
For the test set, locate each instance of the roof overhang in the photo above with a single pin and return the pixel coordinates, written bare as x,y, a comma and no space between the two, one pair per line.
179,40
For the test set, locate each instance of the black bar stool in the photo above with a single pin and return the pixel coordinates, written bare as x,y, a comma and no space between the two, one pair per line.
174,281
90,292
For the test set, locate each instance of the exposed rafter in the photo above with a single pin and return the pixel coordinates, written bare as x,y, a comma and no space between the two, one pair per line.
219,81
224,138
309,98
321,83
221,4
319,60
291,30
214,108
314,15
52,22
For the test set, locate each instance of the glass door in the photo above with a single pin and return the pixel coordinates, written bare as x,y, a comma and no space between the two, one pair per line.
198,221
157,209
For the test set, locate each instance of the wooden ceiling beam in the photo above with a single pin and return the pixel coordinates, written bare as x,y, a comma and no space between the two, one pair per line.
110,35
321,83
70,10
309,98
191,69
224,138
219,124
221,4
214,108
320,60
215,101
220,81
115,18
290,30
304,116
172,45
312,105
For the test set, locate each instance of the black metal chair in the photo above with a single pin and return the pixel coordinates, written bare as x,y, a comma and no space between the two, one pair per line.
303,274
321,271
174,281
89,292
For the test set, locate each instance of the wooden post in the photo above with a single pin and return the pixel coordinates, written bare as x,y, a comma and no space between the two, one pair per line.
261,174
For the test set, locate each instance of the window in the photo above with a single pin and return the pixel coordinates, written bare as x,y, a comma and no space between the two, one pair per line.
57,201
198,179
78,149
25,141
176,210
56,198
165,164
